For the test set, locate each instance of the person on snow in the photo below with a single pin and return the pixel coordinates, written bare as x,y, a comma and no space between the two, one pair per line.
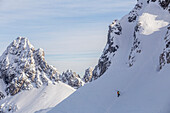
118,93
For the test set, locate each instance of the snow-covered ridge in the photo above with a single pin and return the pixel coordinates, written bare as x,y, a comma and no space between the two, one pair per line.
139,68
27,82
152,18
145,18
23,68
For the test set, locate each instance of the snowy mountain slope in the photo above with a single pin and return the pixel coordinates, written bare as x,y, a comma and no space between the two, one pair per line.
115,31
139,69
36,99
22,68
27,82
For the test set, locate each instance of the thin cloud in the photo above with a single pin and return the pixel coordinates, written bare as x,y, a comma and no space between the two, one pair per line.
62,27
11,11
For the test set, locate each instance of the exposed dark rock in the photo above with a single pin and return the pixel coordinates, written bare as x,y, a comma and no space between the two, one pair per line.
163,3
71,78
2,96
134,13
165,56
135,48
104,62
88,75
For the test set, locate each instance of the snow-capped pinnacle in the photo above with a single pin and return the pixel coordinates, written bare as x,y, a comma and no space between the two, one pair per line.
22,43
22,67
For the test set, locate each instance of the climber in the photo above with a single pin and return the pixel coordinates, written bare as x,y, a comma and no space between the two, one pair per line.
118,93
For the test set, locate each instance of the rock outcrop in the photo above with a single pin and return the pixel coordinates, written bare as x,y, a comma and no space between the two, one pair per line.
163,3
88,75
71,78
22,67
136,49
115,30
165,56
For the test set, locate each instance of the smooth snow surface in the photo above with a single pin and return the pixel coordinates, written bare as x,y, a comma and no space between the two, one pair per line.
36,99
142,88
153,19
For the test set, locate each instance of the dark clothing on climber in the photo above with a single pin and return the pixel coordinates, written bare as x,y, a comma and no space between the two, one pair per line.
118,93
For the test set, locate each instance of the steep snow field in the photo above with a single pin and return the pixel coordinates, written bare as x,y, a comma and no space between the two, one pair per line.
143,87
36,99
140,92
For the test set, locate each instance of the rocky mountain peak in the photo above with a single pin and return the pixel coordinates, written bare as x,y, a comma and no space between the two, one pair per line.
20,44
22,67
142,21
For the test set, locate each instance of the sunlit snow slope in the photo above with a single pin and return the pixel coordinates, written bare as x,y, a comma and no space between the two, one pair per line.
139,69
36,99
27,82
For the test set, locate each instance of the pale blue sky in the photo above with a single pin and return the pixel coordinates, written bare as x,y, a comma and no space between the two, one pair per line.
72,33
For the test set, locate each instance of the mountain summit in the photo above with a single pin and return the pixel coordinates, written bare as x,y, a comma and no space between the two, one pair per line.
145,18
27,83
22,67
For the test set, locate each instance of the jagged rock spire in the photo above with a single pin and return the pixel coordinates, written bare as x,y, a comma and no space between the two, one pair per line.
22,67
